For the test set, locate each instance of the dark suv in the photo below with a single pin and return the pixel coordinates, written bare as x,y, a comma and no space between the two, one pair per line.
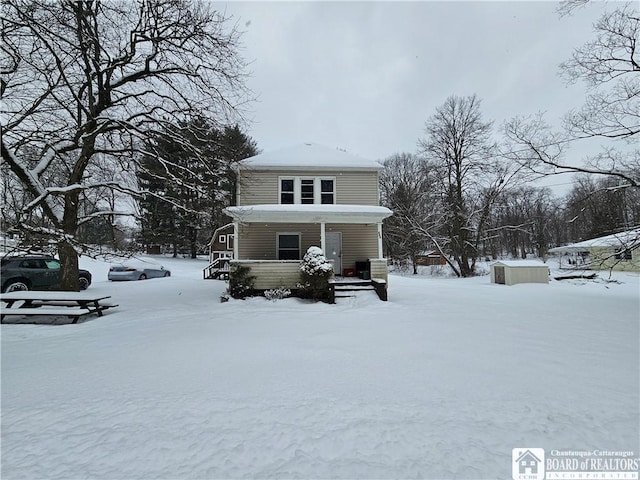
35,272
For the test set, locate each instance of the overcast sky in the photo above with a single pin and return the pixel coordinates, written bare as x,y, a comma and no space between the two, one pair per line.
365,76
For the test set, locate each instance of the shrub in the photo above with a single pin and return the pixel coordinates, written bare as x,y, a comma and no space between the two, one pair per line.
315,272
277,294
241,281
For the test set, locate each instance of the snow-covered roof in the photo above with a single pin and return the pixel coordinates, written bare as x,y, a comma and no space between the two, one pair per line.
218,230
622,239
309,156
520,263
298,213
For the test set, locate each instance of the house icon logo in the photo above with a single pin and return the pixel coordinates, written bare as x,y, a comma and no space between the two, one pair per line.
527,463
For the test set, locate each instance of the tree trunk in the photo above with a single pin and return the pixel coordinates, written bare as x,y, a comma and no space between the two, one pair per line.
193,242
69,275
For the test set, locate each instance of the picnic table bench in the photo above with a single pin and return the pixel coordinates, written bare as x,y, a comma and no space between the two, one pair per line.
32,303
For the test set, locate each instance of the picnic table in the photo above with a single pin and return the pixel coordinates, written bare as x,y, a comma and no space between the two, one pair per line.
33,303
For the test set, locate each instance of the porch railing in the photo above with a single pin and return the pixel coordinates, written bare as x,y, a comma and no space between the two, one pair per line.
218,269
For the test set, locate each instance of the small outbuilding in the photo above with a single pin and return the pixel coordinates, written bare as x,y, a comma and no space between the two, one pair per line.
510,272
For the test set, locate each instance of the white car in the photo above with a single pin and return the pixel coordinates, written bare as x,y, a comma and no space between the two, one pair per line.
137,271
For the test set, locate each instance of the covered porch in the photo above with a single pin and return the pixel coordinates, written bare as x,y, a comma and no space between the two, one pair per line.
272,239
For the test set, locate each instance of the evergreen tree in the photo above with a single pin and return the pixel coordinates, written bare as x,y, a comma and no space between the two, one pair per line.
184,210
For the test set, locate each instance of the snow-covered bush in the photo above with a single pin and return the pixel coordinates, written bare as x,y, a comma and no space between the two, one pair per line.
277,294
315,272
241,281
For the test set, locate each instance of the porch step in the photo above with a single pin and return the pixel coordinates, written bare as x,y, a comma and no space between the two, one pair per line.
337,286
352,289
218,269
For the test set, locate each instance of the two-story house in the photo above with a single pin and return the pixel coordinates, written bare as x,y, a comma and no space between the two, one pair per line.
308,195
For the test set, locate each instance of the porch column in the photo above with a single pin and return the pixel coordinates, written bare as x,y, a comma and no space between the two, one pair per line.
322,238
235,240
380,255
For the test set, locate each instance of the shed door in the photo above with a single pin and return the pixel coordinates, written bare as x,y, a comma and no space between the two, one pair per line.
334,250
499,274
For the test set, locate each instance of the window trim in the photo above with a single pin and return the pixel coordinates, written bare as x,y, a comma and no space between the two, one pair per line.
313,187
317,188
280,191
298,234
333,190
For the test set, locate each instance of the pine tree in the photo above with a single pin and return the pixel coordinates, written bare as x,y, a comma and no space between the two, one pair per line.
185,210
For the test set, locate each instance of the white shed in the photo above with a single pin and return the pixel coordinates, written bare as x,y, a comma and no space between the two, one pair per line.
510,272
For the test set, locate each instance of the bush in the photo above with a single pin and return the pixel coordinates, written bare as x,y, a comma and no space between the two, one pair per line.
241,281
315,272
277,294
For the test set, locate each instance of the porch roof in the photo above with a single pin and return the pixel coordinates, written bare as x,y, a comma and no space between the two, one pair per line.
309,213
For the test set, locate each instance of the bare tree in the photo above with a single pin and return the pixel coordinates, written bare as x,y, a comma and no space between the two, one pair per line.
471,174
597,206
609,66
407,187
523,221
88,80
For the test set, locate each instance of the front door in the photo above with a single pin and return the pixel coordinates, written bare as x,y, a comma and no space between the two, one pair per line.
333,250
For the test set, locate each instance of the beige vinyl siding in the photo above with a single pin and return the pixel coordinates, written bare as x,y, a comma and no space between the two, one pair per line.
520,274
352,188
269,275
258,241
286,273
379,269
604,258
258,187
359,242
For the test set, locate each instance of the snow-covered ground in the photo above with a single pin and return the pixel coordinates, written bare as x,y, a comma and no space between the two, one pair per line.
440,382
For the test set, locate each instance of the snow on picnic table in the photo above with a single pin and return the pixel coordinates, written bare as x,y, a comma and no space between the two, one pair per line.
440,382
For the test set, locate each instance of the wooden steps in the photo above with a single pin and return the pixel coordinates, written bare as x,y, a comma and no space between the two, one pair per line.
217,270
338,286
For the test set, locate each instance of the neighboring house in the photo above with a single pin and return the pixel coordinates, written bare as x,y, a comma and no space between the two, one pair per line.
220,253
430,258
620,251
221,244
308,195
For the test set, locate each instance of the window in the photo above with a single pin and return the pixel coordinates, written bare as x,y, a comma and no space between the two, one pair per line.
53,264
624,254
327,191
222,239
33,263
288,246
286,191
307,190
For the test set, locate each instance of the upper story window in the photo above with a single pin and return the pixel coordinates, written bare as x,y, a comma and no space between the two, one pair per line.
307,190
287,191
327,191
